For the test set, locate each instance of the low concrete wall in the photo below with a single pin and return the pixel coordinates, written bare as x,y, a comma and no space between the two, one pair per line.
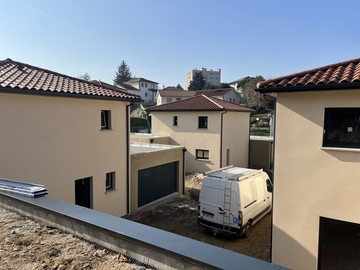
148,245
261,154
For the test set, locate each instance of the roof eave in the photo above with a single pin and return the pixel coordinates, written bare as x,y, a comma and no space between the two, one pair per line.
26,91
306,88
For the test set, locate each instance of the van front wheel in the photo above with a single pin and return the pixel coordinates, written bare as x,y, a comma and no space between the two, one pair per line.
247,230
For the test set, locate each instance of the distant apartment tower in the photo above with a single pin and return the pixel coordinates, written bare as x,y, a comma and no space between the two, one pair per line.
212,76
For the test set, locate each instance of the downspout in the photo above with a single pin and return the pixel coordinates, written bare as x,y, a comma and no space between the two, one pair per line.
272,99
183,171
128,157
221,137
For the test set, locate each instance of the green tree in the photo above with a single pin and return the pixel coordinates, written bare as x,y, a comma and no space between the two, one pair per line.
122,74
85,77
198,82
179,86
249,97
209,85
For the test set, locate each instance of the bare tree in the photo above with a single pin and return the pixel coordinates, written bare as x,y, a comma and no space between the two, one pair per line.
85,77
249,97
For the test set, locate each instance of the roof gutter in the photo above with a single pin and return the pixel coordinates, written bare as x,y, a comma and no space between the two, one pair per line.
9,90
308,88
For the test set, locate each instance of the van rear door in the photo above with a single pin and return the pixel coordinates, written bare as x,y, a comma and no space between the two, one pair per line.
211,201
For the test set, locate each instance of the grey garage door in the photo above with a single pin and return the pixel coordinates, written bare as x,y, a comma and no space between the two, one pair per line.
156,182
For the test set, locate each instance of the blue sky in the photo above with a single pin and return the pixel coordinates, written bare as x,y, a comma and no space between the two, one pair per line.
163,39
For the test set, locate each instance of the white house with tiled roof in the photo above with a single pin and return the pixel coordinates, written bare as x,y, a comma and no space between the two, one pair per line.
316,216
68,134
145,88
171,94
226,94
214,132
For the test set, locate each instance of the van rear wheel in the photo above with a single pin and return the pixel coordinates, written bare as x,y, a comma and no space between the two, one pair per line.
247,230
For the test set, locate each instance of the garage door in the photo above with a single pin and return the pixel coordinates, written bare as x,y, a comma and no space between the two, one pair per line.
156,182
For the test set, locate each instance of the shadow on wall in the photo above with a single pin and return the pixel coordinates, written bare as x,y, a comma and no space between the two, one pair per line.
197,165
288,252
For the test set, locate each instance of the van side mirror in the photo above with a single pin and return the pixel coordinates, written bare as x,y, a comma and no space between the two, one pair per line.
269,185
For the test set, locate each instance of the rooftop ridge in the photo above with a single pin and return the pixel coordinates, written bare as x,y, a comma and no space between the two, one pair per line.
213,101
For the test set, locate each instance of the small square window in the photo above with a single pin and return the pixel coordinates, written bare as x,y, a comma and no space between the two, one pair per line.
175,121
168,100
110,181
105,119
203,122
145,84
342,127
202,154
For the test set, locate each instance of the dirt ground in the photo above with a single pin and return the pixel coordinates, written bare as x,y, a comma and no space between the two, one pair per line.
179,215
26,244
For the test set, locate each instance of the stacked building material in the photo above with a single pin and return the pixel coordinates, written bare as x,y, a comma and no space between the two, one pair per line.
22,188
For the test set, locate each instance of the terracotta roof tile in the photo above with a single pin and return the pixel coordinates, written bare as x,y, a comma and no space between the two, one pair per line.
200,103
18,77
340,73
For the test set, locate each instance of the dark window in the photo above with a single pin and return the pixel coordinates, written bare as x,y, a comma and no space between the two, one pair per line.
203,121
105,119
110,181
202,154
175,121
342,127
339,244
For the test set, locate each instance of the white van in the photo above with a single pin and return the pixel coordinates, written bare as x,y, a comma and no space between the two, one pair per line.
233,199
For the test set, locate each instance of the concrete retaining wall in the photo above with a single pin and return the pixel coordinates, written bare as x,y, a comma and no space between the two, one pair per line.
148,245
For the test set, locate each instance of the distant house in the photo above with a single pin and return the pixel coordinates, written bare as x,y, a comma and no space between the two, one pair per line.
214,132
68,134
171,94
226,94
145,88
316,221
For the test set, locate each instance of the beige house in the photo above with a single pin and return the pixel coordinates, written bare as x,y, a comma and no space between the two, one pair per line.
316,216
65,133
214,132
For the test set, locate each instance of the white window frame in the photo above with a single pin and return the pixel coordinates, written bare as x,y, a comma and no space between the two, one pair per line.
105,119
110,181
